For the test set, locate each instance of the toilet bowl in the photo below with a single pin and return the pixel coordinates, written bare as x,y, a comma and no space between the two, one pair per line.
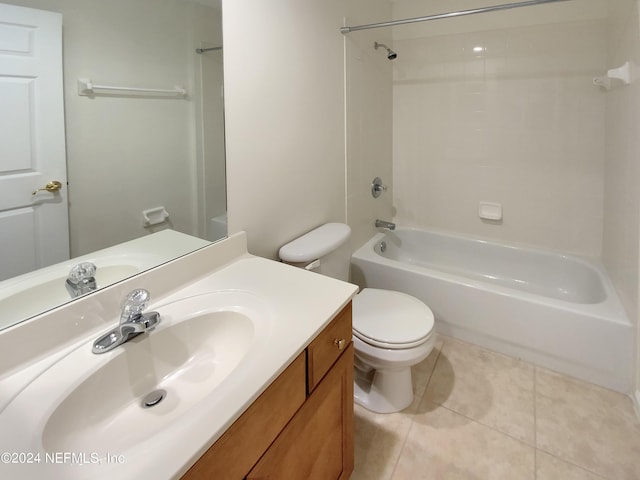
392,331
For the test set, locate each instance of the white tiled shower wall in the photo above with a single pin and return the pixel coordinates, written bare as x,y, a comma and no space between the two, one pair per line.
621,239
518,122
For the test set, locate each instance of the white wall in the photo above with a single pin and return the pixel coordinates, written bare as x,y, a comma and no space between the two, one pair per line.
284,99
285,119
621,241
369,119
518,123
122,153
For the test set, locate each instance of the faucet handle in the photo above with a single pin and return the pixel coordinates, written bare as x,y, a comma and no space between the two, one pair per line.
81,272
377,187
134,304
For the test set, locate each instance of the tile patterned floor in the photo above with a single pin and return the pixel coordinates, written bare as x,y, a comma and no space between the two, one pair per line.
481,415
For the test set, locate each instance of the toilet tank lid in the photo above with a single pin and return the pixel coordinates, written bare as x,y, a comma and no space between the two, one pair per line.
316,243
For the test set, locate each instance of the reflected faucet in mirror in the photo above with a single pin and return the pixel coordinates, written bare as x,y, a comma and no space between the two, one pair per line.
81,279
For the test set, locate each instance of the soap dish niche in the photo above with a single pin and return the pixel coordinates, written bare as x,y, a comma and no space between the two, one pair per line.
490,211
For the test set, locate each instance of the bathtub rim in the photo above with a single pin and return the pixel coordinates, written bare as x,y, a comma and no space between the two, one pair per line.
611,309
512,245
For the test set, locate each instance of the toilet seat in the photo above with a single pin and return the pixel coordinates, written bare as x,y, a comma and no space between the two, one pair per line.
390,319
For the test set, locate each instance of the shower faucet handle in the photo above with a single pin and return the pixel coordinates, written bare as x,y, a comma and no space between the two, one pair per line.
377,187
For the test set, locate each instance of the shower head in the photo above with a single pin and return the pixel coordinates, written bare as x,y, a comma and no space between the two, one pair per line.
391,55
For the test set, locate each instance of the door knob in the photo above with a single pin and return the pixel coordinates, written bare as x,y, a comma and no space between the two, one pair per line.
52,186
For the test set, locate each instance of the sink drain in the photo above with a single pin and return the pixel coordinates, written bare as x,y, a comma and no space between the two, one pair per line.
154,398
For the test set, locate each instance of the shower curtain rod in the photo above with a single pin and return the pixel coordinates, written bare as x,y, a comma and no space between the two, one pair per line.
439,16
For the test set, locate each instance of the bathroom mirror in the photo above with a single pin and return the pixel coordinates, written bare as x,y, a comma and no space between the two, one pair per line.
138,161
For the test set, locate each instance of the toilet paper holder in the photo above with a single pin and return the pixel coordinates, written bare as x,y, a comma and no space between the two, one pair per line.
154,216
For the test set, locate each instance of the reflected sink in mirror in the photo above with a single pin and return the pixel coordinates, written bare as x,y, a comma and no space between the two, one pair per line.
94,403
45,291
33,293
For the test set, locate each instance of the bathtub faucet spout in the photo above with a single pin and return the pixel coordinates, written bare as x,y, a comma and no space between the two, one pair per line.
383,224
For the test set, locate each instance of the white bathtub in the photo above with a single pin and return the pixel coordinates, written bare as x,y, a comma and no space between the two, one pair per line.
557,311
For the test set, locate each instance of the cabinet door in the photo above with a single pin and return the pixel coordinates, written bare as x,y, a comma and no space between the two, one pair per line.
318,442
240,447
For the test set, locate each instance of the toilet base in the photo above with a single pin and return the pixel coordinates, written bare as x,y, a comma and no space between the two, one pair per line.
383,390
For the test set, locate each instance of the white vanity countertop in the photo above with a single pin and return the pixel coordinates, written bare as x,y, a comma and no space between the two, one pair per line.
300,304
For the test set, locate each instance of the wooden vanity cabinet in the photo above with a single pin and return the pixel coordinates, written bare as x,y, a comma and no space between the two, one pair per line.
301,427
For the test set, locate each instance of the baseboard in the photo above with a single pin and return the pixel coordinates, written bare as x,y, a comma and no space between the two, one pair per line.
636,403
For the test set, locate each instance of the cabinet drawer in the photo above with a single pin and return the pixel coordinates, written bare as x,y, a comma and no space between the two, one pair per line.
240,447
327,347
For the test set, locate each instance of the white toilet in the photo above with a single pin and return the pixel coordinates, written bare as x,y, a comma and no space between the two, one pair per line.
391,330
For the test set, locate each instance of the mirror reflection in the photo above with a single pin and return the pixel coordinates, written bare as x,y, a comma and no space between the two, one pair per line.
112,131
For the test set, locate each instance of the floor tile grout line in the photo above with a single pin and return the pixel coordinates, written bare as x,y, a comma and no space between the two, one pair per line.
535,433
410,415
537,452
404,444
490,427
493,429
535,449
572,463
435,364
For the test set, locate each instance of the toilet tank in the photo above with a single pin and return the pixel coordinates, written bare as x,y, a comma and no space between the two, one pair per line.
323,250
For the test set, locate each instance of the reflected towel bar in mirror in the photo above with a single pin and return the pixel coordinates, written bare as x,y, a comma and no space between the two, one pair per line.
87,88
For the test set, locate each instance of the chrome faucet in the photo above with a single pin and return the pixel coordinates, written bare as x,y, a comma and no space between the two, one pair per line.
387,225
133,322
81,279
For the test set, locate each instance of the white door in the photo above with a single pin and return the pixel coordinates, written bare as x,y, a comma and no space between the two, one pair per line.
34,229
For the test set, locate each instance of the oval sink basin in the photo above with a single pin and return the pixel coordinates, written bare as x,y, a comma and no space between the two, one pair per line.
186,360
94,401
